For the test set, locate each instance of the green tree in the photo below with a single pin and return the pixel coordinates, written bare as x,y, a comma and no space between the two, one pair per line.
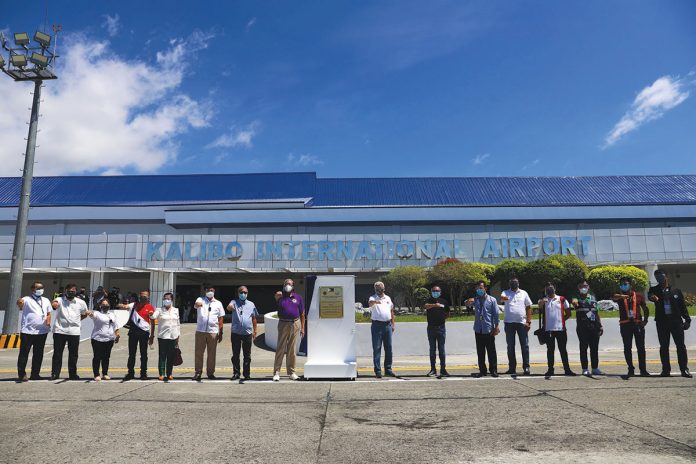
456,278
403,282
604,280
507,269
563,271
421,296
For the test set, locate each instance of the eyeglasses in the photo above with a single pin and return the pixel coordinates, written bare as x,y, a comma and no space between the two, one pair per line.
244,293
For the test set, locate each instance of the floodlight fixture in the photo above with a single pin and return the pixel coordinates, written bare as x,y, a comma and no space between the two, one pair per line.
42,39
18,60
21,38
39,60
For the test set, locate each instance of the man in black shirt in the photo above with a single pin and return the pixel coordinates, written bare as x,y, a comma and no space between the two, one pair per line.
670,309
437,310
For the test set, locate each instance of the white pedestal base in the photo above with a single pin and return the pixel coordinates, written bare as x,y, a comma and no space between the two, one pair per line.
330,371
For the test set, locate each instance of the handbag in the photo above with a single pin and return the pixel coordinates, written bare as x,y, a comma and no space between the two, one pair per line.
178,360
540,332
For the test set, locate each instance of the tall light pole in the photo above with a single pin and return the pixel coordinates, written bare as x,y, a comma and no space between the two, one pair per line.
18,67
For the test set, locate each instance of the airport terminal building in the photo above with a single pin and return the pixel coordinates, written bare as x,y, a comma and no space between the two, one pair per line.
175,232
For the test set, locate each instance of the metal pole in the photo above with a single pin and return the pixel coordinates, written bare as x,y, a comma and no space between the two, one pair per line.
11,322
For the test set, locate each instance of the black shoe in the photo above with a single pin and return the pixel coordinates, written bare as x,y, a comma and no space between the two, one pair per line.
645,373
631,372
247,377
54,377
686,373
526,371
389,373
570,373
74,377
444,373
36,377
129,376
235,377
143,376
211,377
378,375
494,374
665,374
510,372
478,375
431,373
549,373
24,378
196,377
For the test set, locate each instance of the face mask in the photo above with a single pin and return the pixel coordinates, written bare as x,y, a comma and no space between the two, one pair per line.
167,303
584,290
550,291
144,299
514,285
288,288
480,292
435,294
625,287
104,309
660,278
71,294
38,291
210,295
242,296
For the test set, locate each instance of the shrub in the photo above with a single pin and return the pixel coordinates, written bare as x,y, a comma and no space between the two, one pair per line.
507,269
689,299
456,278
403,282
563,271
604,280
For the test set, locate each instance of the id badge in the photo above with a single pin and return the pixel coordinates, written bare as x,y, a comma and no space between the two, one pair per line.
591,316
630,314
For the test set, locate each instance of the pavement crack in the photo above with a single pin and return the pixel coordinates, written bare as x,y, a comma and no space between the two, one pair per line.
322,422
128,392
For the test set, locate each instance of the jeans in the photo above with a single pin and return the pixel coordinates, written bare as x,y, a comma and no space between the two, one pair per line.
436,335
26,342
137,337
241,343
166,356
59,341
519,329
630,331
560,336
673,327
381,334
486,343
588,335
102,354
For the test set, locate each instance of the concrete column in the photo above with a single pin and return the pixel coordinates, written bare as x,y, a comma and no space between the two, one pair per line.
96,279
160,283
650,269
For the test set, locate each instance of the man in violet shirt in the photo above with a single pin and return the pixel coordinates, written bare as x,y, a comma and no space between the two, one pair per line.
291,316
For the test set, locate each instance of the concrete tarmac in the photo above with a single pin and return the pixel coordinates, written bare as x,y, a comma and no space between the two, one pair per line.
412,418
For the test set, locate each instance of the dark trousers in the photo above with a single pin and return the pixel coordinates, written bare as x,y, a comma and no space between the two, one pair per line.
166,356
381,335
628,333
560,337
486,343
26,342
518,329
665,329
588,335
137,337
59,341
241,343
102,354
436,339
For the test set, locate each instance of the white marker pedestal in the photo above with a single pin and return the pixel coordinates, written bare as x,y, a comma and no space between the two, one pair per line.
331,337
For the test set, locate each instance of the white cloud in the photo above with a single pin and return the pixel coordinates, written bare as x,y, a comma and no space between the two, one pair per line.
112,24
237,137
104,114
304,160
651,103
251,23
480,158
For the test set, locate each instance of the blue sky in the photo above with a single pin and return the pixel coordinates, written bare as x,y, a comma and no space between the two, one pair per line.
353,89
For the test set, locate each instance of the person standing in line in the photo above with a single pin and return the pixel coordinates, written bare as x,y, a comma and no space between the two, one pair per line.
383,327
437,311
486,321
168,331
35,325
555,310
69,310
139,325
291,320
104,334
633,317
518,321
589,327
209,328
244,315
671,319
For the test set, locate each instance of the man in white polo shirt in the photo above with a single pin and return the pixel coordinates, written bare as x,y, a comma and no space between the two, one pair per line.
36,323
382,311
518,320
208,331
554,311
69,312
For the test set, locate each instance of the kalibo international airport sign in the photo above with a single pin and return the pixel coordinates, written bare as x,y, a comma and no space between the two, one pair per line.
349,250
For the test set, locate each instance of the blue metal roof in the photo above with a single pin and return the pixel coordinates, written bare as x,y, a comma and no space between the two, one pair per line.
344,192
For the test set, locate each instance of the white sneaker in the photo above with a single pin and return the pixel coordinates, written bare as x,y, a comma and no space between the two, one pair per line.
597,372
276,377
106,377
585,372
293,376
97,379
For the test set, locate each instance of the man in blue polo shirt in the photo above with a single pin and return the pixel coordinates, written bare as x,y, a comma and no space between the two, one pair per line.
291,320
244,316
